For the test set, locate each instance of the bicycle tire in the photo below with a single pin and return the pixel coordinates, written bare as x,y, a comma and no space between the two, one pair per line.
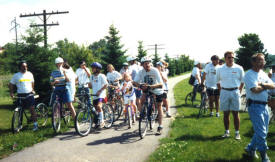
83,122
143,122
129,116
188,99
56,117
202,109
42,114
108,115
117,109
153,114
16,123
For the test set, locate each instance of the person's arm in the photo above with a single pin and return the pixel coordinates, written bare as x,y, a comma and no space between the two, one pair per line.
66,76
203,77
241,87
87,71
11,90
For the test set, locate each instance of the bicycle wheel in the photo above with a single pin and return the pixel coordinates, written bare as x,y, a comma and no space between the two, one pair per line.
56,117
108,115
243,102
202,106
117,109
67,116
129,116
42,114
16,123
143,122
153,112
188,99
83,122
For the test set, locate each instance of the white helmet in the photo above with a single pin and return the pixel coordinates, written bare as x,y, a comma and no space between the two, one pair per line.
125,64
196,63
145,59
59,60
130,58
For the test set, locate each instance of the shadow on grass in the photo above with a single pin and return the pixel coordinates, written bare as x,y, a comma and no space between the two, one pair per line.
7,106
4,131
245,158
125,138
199,138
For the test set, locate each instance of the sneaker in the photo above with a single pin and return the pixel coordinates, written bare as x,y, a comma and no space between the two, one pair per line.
159,131
217,114
168,115
237,136
211,114
251,153
264,157
226,135
101,125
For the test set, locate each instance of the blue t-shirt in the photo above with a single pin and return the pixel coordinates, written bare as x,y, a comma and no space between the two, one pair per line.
251,80
58,75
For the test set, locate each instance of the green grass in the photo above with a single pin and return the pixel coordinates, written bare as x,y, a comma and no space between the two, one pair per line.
10,142
193,139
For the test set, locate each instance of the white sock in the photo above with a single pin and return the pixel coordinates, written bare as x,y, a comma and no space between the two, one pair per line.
100,116
227,131
237,132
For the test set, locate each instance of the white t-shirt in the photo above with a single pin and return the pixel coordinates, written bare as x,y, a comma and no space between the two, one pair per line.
23,82
196,71
82,76
251,80
210,77
134,70
230,77
129,89
111,76
122,71
152,77
165,75
97,83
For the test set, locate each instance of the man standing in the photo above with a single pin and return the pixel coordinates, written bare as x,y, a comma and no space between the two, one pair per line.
256,83
149,77
230,83
24,82
213,92
83,74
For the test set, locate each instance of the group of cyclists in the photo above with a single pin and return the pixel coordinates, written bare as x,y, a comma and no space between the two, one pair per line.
133,79
224,84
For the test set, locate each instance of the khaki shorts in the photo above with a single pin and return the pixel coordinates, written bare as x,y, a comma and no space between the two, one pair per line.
230,100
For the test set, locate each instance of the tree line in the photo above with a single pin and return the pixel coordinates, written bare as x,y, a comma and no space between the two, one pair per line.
107,50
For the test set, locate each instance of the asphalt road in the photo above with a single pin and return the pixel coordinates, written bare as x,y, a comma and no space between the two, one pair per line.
115,144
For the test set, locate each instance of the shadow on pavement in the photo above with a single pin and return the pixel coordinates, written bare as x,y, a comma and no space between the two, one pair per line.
68,136
125,138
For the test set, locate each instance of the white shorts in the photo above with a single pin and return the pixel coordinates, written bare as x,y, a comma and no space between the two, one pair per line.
230,100
127,99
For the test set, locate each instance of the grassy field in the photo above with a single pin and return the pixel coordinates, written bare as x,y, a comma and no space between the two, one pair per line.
193,139
10,142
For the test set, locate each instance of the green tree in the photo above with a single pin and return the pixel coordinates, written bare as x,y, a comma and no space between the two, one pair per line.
98,48
250,44
74,53
141,51
156,59
114,53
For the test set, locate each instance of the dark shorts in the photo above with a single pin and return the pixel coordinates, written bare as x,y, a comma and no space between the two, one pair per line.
96,101
62,93
159,98
212,92
138,93
28,102
164,95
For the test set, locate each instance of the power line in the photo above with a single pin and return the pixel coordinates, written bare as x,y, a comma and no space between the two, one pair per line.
156,48
15,29
45,18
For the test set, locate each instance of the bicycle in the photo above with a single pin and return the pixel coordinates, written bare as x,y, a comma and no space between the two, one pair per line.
59,112
204,103
19,112
148,114
87,117
130,114
244,102
115,100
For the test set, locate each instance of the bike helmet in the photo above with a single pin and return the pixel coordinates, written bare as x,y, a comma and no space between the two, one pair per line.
130,58
125,64
146,59
96,65
59,60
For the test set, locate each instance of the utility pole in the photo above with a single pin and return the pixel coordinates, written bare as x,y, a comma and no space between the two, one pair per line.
156,48
15,28
45,18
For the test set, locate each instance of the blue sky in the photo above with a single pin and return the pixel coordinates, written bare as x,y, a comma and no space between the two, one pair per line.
198,28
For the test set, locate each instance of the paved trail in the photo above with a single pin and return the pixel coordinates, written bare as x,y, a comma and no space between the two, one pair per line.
116,144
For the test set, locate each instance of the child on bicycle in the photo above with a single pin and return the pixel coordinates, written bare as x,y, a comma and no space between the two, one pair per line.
128,94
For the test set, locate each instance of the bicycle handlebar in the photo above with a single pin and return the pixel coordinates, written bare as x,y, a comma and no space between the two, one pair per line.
35,96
